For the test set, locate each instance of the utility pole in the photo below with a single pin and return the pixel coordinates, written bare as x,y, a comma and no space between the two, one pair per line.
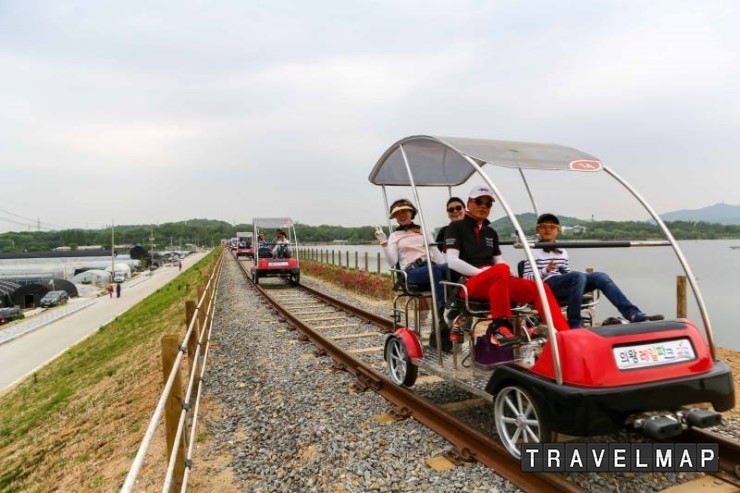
151,250
112,250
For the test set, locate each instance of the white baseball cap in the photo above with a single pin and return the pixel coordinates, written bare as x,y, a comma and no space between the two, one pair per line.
480,191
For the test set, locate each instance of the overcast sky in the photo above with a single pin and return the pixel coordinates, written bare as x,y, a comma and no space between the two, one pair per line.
159,111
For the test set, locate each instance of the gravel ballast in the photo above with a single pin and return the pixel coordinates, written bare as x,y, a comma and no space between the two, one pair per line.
292,423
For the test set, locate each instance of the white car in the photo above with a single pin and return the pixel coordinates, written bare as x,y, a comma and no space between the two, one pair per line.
119,277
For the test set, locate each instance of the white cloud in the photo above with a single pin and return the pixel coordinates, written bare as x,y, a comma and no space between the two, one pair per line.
289,105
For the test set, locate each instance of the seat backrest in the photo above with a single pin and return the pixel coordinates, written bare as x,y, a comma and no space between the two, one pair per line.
265,252
401,284
520,268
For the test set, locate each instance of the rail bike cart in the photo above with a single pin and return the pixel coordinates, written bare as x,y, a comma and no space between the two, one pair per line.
272,258
244,245
652,377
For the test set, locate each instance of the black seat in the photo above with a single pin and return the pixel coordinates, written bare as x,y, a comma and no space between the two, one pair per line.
264,252
458,299
408,300
401,284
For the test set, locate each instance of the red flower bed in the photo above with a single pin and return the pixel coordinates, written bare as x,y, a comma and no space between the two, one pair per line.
360,281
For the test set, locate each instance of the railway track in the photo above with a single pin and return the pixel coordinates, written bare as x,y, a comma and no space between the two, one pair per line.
354,339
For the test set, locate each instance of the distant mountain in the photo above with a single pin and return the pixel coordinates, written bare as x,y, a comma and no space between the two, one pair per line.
528,221
718,213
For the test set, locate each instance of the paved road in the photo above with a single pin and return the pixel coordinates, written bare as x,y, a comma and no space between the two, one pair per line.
28,350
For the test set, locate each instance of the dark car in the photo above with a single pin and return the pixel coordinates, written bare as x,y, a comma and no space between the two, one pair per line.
54,298
8,314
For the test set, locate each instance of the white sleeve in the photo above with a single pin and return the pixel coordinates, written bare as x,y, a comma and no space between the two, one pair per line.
458,265
434,252
391,250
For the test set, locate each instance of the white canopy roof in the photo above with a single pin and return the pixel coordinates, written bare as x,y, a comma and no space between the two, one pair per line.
272,222
440,161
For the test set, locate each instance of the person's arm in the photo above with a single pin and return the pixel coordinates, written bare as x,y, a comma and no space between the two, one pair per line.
390,249
434,252
440,239
565,268
455,263
550,264
498,257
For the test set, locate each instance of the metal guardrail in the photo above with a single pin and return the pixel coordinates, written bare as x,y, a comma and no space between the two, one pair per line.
366,261
196,342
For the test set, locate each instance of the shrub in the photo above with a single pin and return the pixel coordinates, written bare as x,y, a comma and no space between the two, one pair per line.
356,280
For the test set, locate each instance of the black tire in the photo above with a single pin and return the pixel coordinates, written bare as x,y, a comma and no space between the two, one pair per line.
400,368
520,419
256,278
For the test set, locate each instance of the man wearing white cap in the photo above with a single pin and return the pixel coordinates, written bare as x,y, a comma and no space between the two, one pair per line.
473,251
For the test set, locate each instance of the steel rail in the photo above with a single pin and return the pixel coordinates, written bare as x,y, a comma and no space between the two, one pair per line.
729,452
470,443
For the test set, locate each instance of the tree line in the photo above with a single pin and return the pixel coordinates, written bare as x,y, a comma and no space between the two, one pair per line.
208,232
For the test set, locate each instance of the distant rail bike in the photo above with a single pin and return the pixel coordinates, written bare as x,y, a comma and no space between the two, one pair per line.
275,257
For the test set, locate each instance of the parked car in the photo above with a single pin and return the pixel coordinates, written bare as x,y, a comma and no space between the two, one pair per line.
119,277
54,298
8,314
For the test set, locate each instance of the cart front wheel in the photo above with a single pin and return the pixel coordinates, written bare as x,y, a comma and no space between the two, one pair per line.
519,419
400,368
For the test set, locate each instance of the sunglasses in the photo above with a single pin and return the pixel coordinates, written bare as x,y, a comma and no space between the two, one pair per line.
548,226
482,202
456,208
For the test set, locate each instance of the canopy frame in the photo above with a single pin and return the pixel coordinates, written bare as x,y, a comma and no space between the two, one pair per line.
429,161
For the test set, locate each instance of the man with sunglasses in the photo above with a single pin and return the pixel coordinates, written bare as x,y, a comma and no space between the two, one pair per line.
554,268
455,212
473,250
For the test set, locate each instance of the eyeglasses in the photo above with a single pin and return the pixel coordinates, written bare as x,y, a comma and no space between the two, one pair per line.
456,208
548,226
482,202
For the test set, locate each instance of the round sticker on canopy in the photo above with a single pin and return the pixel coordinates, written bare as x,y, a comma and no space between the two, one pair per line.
585,165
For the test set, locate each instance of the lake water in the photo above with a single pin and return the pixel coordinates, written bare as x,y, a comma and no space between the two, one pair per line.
647,275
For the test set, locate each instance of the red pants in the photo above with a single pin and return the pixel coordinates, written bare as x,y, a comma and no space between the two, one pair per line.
501,288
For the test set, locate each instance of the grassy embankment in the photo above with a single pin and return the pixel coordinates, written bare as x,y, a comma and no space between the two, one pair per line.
75,424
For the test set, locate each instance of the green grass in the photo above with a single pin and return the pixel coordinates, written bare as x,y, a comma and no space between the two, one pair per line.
48,396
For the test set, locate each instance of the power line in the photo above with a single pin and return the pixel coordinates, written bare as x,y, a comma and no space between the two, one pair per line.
37,223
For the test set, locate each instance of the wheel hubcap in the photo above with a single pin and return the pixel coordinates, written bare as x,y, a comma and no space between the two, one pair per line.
397,361
516,420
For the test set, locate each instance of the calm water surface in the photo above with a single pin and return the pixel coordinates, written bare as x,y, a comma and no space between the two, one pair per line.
647,276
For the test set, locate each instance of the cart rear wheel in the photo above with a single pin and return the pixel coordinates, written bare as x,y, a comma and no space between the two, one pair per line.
519,419
297,279
400,368
256,278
